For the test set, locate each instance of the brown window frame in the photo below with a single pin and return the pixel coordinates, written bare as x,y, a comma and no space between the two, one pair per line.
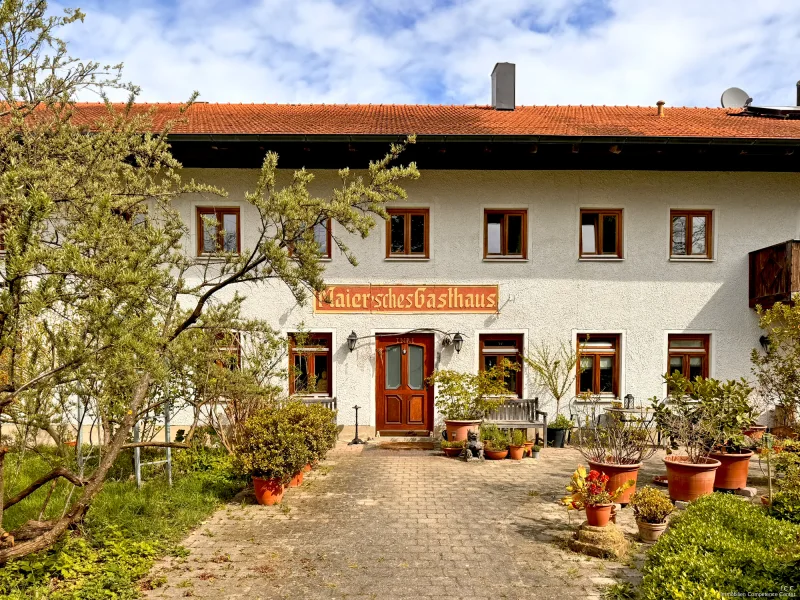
690,214
328,237
516,337
504,255
313,340
596,354
687,353
601,212
234,349
407,213
218,212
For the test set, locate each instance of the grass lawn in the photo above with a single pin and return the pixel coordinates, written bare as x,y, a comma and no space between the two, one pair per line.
124,532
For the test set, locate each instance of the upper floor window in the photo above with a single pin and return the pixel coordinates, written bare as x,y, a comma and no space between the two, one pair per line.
218,230
322,235
495,348
689,354
601,233
598,362
229,350
407,233
505,233
690,233
310,357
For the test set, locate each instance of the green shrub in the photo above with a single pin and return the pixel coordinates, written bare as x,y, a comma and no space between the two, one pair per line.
518,437
722,544
498,441
560,422
457,444
317,424
489,431
650,505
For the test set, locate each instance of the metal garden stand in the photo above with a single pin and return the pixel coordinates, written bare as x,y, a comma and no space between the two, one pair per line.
137,452
356,440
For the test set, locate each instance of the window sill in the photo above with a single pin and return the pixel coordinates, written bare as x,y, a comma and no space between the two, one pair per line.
407,259
600,259
500,259
217,258
681,259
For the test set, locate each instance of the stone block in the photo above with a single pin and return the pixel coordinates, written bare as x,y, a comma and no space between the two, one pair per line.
600,542
747,492
681,505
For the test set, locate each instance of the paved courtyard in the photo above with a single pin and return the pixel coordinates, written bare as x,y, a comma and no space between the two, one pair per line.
372,523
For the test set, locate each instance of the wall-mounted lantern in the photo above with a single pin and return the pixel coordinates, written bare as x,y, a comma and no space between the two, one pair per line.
458,341
351,341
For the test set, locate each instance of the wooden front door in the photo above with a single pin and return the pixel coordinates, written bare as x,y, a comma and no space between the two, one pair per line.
404,400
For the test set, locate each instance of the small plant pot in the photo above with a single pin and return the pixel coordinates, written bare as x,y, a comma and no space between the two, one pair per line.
650,532
307,468
457,430
71,444
297,480
733,470
535,454
495,454
516,452
755,432
528,448
598,515
556,437
452,451
688,481
618,475
268,491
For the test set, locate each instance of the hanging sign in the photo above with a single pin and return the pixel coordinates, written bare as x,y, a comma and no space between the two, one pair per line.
394,299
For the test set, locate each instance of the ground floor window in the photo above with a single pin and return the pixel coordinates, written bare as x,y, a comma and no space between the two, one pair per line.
496,347
598,360
310,362
689,354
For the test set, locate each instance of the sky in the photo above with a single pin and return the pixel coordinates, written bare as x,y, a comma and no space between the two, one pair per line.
635,52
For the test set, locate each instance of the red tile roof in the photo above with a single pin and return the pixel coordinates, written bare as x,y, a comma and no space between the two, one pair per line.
400,119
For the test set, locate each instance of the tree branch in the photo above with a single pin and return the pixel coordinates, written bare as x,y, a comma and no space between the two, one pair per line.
54,474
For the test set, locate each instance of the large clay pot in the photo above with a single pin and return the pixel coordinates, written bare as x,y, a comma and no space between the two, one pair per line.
297,480
556,437
528,448
457,430
650,532
688,481
268,491
617,476
307,468
732,471
598,515
516,452
755,432
495,454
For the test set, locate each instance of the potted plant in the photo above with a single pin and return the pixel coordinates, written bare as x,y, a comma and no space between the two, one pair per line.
554,368
495,443
615,445
464,398
651,509
317,425
271,451
516,448
557,431
453,448
590,492
536,450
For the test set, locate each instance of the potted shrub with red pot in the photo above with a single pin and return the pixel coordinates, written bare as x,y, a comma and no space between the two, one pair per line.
616,444
516,448
495,442
651,509
464,398
317,425
590,492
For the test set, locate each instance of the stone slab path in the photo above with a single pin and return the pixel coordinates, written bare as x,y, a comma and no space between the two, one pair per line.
372,523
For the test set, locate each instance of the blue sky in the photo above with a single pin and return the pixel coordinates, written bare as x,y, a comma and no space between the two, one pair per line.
685,52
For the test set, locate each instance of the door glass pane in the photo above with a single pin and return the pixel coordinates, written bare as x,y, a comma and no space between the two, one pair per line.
587,374
416,356
699,235
588,229
393,367
230,225
514,234
300,374
695,367
675,364
321,237
398,229
493,232
321,373
609,234
418,234
679,235
209,235
606,374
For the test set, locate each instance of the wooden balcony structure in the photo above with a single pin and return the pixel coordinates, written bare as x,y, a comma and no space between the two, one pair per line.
774,274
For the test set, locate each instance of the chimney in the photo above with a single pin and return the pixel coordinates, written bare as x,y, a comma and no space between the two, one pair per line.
503,86
798,93
660,104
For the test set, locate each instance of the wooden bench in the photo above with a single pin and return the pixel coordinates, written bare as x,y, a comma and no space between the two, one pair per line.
519,413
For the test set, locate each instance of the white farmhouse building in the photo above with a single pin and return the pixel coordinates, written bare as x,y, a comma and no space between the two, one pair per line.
632,225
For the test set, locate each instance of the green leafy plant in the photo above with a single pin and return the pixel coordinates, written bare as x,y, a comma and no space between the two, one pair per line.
489,431
498,442
554,368
518,437
454,444
317,425
560,422
470,396
650,505
536,448
589,489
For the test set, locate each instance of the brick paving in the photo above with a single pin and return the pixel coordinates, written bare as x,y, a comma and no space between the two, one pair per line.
372,523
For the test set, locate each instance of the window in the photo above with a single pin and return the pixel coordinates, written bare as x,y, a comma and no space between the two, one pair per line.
601,233
407,233
689,354
217,230
690,233
598,361
322,235
496,347
229,350
505,233
310,363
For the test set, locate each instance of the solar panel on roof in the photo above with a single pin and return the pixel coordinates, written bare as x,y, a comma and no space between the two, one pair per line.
784,112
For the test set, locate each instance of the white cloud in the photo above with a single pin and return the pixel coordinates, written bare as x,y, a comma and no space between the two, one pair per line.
417,51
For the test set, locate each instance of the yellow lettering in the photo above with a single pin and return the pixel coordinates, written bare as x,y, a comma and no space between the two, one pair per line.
443,300
419,297
338,300
357,301
366,302
470,301
492,300
431,301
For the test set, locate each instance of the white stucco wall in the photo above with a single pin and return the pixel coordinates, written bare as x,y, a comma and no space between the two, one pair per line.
553,294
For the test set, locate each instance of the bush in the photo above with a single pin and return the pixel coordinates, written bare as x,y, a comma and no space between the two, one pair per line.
722,544
469,396
650,505
317,424
518,437
455,444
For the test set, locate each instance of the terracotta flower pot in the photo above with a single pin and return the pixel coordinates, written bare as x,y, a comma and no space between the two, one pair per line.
732,471
650,532
268,491
452,451
457,430
495,454
688,481
755,432
617,476
307,468
71,444
528,448
597,515
297,480
516,452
